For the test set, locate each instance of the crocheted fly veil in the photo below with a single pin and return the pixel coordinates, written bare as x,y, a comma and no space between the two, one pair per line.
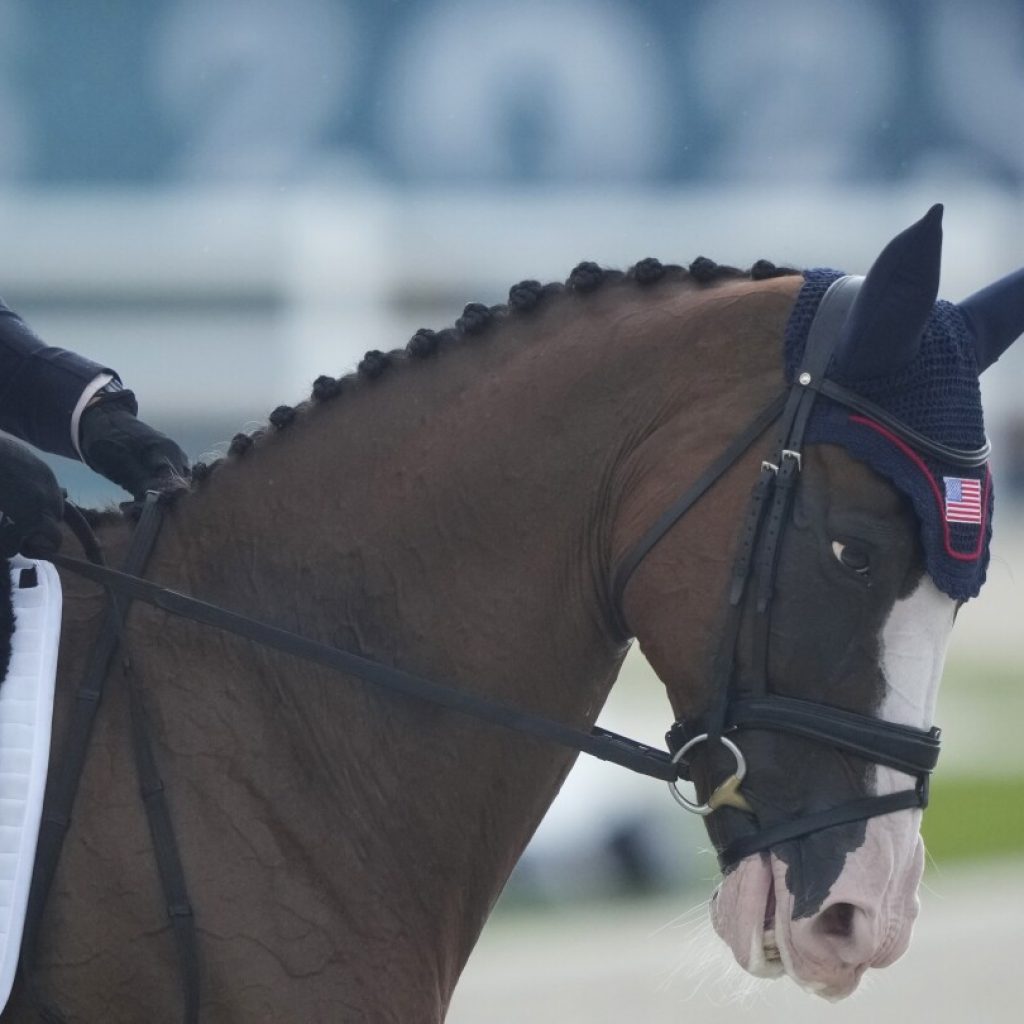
918,360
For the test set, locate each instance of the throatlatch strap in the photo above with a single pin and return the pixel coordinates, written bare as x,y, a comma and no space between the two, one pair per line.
685,502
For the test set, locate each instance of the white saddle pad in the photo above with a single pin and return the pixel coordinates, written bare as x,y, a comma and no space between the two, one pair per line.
26,715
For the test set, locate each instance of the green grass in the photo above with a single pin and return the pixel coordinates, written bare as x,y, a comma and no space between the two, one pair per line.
971,817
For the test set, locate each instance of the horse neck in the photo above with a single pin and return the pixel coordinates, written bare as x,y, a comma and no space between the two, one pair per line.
456,519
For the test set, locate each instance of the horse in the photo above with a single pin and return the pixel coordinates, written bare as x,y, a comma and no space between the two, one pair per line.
463,509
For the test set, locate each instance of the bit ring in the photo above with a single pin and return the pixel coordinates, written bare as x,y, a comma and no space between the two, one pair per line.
705,809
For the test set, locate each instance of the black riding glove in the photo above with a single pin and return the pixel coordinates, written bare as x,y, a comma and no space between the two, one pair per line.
31,503
126,450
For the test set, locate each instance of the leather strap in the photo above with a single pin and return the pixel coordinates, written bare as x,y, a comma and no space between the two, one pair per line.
965,458
165,848
735,450
902,747
852,810
60,798
600,743
63,785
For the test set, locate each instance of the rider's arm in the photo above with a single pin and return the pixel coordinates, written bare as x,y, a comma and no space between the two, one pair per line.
44,390
63,403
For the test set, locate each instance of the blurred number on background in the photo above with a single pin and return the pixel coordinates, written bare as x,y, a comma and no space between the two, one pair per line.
788,93
977,72
510,90
251,86
14,121
525,89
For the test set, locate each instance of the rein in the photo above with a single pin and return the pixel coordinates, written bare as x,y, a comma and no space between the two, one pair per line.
600,743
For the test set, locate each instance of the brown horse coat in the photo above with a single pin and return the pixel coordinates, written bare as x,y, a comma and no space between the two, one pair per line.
458,517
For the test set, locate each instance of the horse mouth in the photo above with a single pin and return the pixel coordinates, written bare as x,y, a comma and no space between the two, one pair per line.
746,916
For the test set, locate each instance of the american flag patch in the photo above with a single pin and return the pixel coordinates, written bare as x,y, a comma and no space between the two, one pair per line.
963,500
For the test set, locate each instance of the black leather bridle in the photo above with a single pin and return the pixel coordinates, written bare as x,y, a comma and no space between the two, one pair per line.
907,749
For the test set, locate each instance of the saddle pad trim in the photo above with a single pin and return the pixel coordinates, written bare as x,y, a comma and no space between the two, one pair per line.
26,719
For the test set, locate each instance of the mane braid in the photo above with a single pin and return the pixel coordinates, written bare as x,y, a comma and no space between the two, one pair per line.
282,416
524,299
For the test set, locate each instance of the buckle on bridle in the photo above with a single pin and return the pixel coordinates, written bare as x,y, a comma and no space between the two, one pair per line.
726,794
789,454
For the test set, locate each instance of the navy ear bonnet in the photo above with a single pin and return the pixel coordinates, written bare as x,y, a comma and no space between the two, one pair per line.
937,394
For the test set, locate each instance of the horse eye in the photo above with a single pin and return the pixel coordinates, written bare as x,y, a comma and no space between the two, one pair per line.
854,559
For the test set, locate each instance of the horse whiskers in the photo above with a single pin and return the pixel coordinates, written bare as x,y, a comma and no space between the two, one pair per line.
695,952
708,968
683,920
931,860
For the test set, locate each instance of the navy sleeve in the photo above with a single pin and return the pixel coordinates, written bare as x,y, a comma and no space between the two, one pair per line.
39,386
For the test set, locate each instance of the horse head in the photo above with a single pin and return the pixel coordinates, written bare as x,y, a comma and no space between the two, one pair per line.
843,595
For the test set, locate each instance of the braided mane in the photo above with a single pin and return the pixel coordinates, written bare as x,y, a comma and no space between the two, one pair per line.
523,299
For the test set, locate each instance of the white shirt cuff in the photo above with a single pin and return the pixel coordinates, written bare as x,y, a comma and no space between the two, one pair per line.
96,384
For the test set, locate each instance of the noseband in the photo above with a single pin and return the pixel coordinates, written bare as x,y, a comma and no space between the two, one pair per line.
907,749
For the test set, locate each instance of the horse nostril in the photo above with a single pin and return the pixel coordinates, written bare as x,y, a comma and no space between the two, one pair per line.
837,920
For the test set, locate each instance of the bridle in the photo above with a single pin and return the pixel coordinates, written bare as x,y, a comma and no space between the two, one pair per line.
907,749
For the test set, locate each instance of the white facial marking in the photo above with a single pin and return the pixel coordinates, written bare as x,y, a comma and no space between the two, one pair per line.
879,879
913,650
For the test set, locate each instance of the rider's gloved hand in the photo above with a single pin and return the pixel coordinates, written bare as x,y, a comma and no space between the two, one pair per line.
126,450
31,503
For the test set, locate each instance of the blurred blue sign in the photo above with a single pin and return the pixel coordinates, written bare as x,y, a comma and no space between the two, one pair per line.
661,91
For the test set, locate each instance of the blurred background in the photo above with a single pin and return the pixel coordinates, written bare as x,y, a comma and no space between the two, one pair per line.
225,198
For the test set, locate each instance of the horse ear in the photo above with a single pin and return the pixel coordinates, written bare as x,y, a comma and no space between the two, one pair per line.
995,316
883,329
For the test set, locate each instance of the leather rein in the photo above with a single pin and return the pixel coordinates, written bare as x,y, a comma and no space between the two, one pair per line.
907,749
